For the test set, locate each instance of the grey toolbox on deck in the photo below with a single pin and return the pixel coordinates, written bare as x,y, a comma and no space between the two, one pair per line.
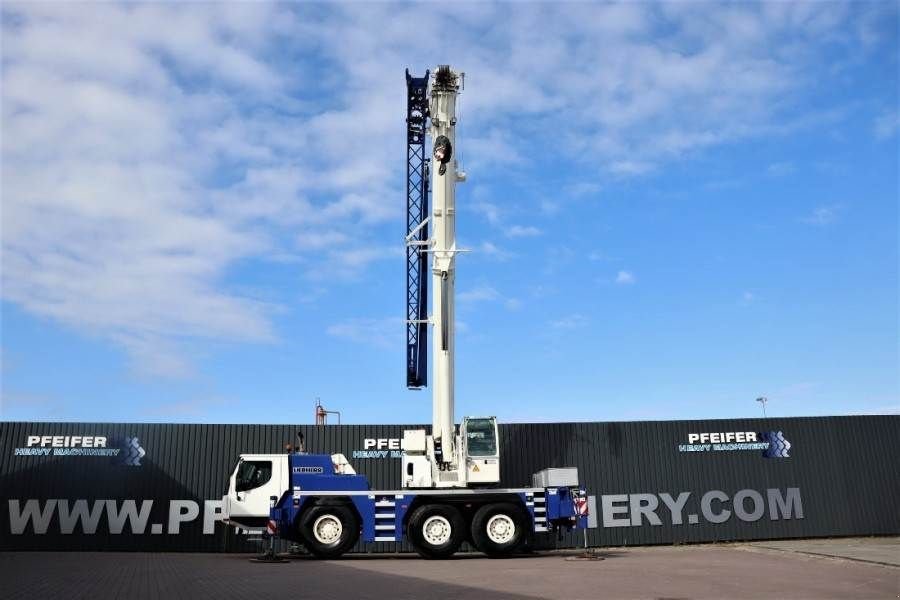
560,477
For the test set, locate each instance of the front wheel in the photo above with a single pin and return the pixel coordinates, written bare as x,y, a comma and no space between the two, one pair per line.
436,530
499,529
329,531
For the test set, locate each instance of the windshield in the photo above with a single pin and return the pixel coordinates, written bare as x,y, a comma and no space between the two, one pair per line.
252,474
481,437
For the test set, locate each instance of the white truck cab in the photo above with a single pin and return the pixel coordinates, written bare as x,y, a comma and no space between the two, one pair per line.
256,478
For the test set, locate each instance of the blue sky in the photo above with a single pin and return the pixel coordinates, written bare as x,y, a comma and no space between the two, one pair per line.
673,209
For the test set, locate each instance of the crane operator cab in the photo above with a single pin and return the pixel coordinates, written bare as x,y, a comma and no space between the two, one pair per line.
481,449
476,460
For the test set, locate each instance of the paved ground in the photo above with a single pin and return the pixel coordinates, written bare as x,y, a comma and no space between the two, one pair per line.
884,551
723,571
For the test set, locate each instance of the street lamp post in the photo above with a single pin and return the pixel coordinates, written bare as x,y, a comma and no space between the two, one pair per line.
762,400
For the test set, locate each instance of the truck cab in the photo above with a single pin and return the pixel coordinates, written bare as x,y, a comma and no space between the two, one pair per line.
255,479
258,477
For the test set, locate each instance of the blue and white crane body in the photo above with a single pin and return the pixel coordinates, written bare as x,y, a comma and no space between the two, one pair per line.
449,477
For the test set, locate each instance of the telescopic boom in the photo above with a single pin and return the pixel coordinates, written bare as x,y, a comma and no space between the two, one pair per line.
444,177
444,458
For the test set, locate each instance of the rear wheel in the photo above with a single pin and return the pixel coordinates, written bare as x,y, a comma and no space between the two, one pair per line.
499,529
329,530
436,530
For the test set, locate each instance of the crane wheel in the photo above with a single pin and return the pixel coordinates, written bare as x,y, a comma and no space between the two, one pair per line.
499,529
436,530
329,530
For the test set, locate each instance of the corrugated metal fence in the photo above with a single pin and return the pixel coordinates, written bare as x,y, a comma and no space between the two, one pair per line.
655,482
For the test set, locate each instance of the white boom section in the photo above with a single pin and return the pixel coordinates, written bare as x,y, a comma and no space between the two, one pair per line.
445,459
444,177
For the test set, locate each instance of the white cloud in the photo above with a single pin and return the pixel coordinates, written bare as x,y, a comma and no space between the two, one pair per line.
351,262
381,333
492,250
488,210
149,148
822,216
493,148
107,224
747,298
117,220
549,207
316,240
625,278
518,231
487,293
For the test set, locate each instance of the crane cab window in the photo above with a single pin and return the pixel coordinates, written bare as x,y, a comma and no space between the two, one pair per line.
252,474
481,437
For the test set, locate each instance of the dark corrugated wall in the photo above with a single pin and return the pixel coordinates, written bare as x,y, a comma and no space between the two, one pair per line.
845,469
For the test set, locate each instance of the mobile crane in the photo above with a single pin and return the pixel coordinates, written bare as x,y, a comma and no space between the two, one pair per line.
449,478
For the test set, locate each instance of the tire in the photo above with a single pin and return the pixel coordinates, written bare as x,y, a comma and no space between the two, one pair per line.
499,529
436,530
329,530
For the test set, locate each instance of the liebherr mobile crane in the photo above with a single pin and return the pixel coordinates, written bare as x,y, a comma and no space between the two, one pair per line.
449,480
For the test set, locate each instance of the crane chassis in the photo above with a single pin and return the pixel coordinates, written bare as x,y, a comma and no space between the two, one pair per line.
327,508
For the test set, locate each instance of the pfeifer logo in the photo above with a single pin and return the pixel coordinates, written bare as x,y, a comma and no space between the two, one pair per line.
126,451
773,444
132,453
380,448
778,445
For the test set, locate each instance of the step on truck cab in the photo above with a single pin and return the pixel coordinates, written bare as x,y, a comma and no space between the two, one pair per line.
321,503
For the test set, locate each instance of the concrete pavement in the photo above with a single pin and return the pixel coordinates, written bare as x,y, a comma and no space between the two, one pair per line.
708,571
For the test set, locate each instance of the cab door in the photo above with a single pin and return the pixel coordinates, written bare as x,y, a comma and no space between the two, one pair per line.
255,480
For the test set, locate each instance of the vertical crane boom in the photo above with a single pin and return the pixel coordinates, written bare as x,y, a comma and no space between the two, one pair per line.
444,458
444,178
